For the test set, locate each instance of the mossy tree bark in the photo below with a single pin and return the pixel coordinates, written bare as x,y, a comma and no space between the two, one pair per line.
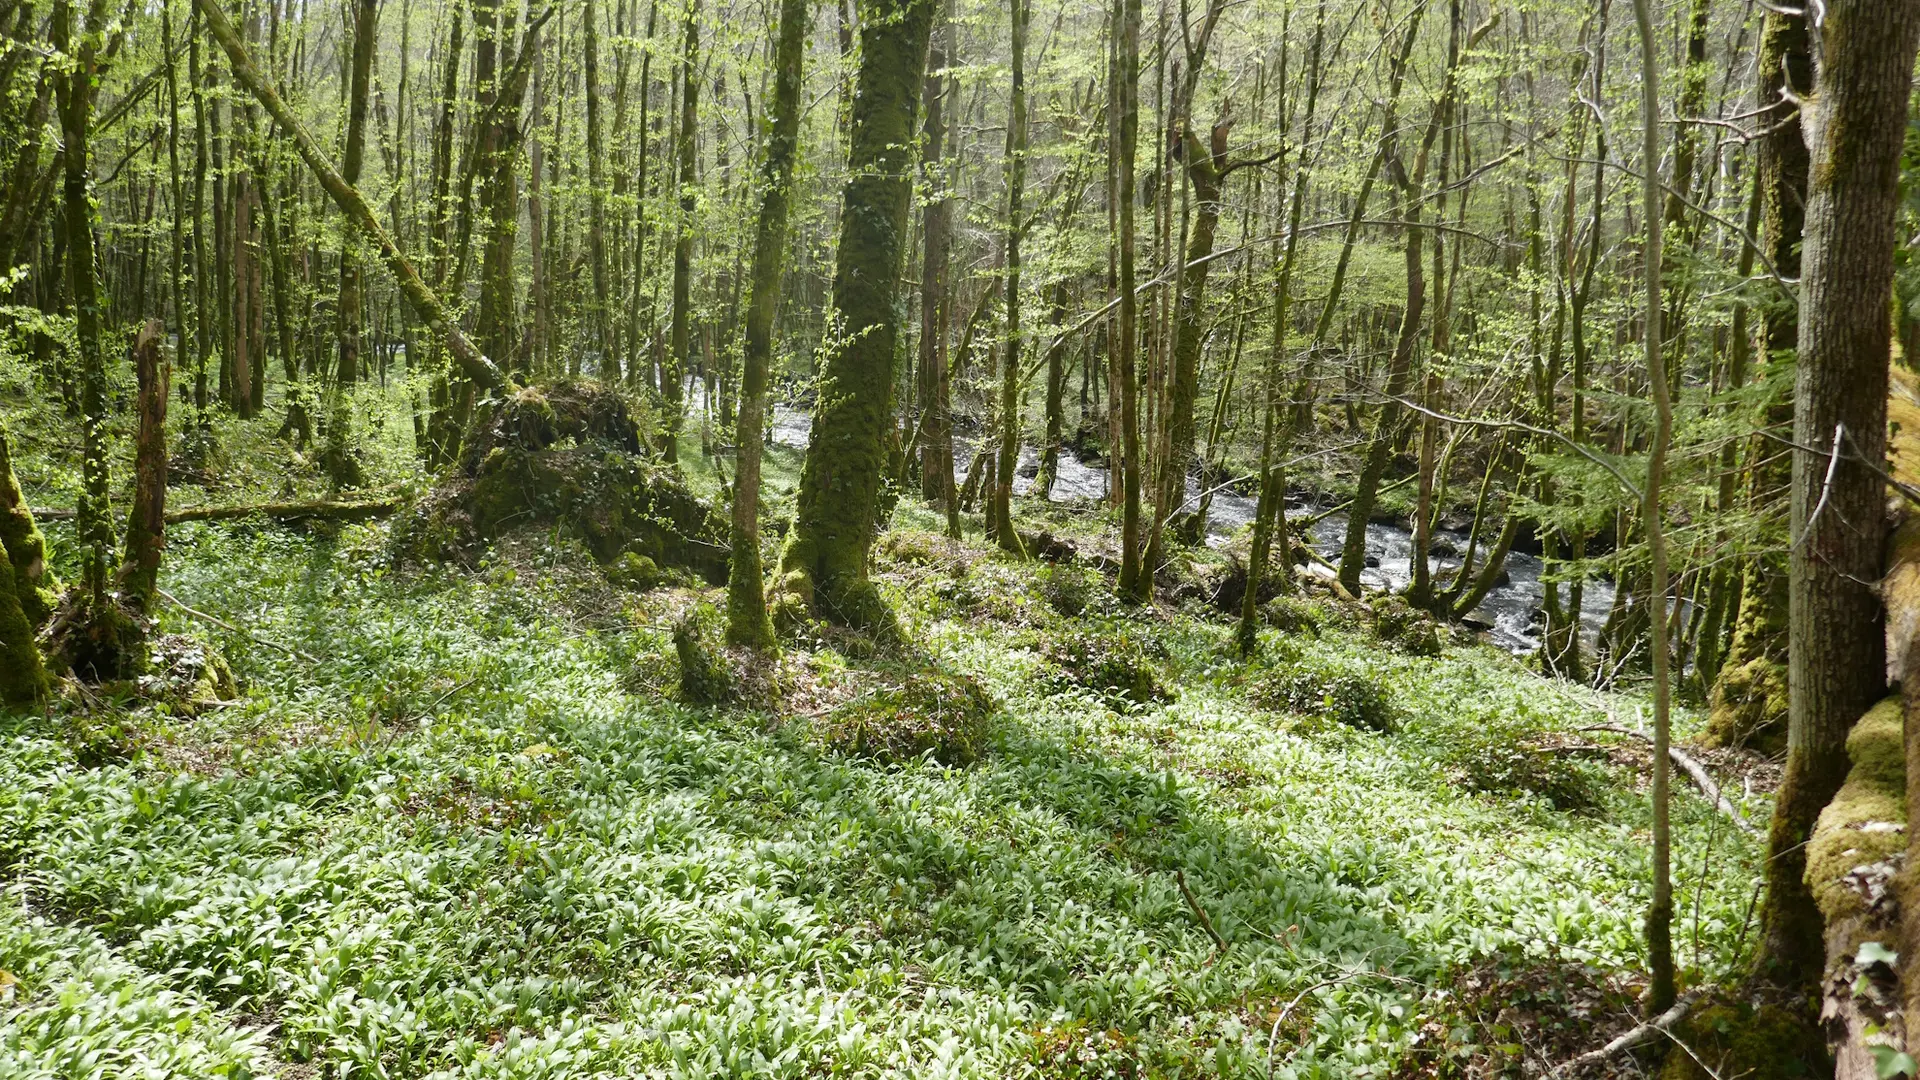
23,679
1135,582
341,456
1749,696
747,622
80,44
596,189
1856,122
679,328
1009,454
26,546
846,457
936,227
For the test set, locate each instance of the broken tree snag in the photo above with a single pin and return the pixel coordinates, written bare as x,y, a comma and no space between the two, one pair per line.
425,303
147,522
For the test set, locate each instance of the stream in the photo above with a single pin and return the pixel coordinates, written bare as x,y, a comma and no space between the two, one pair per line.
1511,615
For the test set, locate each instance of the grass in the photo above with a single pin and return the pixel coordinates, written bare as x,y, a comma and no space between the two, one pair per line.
474,836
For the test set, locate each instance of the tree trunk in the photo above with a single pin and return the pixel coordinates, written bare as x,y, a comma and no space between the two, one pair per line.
747,622
679,339
147,522
1855,124
75,93
597,218
936,423
1002,513
1135,582
840,482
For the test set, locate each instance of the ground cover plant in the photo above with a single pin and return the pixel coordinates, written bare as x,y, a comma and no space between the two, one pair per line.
464,844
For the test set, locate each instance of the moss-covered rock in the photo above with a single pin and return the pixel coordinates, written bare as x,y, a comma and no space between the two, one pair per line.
1404,626
1858,836
568,456
928,713
1293,615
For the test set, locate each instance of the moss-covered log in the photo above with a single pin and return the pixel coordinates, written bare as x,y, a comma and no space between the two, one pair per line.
847,456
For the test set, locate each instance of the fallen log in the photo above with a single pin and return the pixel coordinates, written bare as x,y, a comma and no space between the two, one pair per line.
1696,772
1632,1037
280,511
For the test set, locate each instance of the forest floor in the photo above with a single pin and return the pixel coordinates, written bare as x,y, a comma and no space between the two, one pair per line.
457,824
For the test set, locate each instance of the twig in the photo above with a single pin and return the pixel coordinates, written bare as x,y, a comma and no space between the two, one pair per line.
175,601
1219,943
1633,1037
1696,771
1274,1035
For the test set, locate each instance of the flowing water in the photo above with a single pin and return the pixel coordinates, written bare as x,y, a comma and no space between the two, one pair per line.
1511,613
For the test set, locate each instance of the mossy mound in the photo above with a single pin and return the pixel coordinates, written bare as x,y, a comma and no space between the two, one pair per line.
1860,834
918,547
1112,661
1734,1038
1404,626
1748,706
705,676
928,713
1074,591
1327,691
187,675
97,643
1293,615
570,458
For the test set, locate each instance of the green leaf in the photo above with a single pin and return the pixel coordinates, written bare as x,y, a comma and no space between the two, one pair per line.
1889,1062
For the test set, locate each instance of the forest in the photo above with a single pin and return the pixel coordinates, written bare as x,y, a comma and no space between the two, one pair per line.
969,538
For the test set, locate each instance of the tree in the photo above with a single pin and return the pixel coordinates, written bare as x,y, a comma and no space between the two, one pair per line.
1135,580
747,622
679,337
341,456
826,560
1001,515
1856,123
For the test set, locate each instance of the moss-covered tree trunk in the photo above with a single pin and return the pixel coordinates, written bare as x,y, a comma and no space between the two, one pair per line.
936,228
1269,515
596,189
75,92
340,456
26,547
1856,122
747,622
1135,582
1009,456
23,679
846,457
1748,701
679,335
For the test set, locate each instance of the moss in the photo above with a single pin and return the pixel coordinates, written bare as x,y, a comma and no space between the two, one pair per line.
928,713
1736,1039
1405,627
1748,703
23,680
1864,824
705,677
918,547
24,544
98,644
1292,615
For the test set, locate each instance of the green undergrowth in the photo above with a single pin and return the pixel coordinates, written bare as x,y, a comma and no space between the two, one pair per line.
457,825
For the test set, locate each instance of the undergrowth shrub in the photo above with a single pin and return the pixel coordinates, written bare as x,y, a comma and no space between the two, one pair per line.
1110,660
1325,690
1293,615
1507,756
1074,591
1404,626
947,716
